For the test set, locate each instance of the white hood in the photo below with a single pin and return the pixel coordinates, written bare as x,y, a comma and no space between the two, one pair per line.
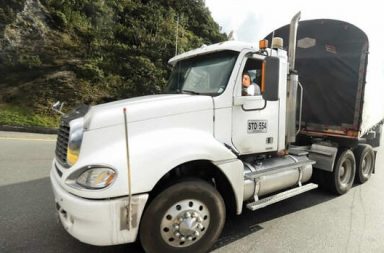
143,108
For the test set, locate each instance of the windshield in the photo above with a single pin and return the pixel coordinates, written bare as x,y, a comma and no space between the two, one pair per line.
204,74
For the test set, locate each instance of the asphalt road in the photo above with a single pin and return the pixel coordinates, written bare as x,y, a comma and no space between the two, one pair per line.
312,222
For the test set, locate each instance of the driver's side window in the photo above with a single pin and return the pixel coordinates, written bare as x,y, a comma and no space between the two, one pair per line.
251,78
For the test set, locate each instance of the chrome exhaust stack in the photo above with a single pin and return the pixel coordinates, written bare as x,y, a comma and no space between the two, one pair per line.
293,81
292,41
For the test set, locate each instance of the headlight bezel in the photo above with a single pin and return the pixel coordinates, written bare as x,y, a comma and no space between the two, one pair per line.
72,179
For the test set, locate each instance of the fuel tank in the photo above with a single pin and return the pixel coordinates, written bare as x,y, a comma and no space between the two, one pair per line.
262,177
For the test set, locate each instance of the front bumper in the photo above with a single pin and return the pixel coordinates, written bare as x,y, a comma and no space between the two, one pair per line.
98,222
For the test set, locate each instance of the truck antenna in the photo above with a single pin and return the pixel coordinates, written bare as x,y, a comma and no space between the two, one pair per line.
129,207
177,33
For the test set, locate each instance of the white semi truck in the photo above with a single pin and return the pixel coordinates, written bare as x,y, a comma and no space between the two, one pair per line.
167,169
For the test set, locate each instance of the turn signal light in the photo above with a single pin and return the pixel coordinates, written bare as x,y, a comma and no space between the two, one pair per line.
263,44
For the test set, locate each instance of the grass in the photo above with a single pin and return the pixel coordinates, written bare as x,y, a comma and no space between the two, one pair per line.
12,115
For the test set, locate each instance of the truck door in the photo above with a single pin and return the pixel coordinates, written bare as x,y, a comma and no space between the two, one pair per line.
254,120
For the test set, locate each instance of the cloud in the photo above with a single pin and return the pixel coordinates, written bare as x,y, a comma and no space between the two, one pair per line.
249,29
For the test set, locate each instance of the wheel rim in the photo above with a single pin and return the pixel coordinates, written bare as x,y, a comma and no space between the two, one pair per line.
185,223
366,166
345,172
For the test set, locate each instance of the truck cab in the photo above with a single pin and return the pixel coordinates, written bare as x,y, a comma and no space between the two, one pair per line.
166,169
239,121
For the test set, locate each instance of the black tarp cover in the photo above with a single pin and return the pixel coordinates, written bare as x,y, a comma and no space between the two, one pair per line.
331,60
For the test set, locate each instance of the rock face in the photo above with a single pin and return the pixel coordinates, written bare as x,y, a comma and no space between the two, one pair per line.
34,61
28,36
33,20
93,51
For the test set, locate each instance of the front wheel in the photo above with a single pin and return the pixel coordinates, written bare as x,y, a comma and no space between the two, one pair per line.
186,217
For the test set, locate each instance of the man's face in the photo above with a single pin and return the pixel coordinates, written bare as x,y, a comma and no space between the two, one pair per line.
246,81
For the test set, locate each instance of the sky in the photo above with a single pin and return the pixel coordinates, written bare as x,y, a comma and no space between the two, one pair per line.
252,20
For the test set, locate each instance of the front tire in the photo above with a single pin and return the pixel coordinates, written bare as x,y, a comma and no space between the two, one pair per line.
343,175
187,217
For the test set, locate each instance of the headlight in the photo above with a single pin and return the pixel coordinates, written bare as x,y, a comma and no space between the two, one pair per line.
75,139
96,178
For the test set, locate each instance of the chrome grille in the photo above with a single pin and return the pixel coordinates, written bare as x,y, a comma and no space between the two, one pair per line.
62,143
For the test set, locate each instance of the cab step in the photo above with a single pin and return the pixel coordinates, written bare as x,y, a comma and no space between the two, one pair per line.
281,196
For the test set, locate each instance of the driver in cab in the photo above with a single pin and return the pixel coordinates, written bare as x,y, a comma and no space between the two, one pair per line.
249,88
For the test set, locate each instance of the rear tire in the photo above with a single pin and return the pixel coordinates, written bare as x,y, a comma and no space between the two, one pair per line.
187,217
365,160
344,170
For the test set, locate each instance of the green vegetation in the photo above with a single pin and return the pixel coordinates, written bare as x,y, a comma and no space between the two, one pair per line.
19,116
91,51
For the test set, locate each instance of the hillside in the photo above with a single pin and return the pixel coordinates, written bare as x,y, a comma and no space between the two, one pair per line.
90,51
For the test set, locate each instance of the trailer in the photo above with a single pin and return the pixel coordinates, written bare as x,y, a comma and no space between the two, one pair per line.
332,60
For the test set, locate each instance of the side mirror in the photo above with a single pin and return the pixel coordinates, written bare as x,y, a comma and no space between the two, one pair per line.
270,78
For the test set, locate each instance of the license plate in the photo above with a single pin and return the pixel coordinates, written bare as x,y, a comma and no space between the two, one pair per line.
257,126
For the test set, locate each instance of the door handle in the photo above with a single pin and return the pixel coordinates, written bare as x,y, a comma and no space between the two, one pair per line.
250,103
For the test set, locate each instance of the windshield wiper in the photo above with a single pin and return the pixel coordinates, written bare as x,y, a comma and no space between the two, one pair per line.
190,92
